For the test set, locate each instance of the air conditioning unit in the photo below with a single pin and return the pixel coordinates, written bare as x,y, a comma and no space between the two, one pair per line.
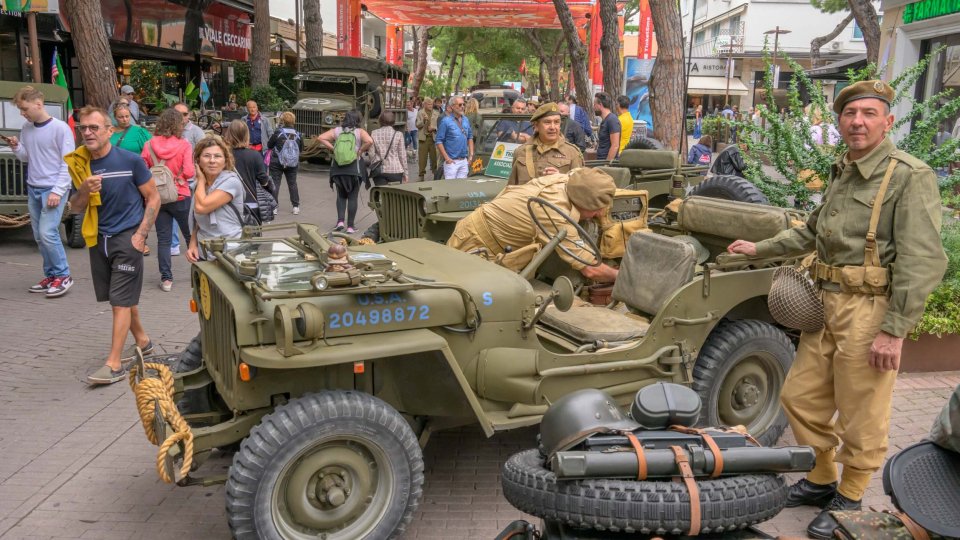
835,45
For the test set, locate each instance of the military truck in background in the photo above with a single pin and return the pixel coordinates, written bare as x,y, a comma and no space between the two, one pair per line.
330,86
13,172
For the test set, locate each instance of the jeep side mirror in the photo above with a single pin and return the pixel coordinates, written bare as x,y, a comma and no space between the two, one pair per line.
563,293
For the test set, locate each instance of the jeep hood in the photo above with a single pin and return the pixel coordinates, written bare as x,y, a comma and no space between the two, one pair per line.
441,196
324,103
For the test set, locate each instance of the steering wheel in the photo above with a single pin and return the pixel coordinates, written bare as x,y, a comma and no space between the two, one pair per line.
550,208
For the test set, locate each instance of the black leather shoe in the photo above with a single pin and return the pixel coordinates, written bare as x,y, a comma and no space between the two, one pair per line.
823,525
806,493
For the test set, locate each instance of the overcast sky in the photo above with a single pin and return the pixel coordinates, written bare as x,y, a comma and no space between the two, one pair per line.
285,9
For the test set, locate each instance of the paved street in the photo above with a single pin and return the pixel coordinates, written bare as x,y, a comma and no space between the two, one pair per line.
76,463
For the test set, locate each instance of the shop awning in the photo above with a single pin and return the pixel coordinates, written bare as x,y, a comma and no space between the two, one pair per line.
716,86
290,45
838,70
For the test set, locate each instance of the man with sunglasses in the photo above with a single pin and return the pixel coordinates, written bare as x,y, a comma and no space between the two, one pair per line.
119,198
45,140
455,141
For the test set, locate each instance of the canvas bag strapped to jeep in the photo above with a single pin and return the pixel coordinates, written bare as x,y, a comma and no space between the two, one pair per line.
164,178
616,232
289,154
345,148
732,219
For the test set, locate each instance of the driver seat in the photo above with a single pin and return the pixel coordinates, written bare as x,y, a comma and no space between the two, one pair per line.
653,268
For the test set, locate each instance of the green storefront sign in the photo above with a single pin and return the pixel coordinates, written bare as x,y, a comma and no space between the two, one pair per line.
928,9
501,160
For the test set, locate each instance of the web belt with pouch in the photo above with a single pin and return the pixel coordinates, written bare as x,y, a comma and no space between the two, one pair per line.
871,277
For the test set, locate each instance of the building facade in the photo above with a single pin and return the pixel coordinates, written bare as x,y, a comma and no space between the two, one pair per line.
735,32
912,30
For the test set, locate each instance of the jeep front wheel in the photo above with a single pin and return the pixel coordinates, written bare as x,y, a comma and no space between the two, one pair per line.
333,465
739,375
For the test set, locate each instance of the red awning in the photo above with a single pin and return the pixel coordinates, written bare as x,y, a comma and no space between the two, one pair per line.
477,13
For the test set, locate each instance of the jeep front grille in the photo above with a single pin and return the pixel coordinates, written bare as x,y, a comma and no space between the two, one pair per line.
13,179
220,339
309,123
400,215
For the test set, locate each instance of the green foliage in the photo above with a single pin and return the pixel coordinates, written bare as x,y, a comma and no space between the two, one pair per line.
267,98
942,312
146,76
241,74
830,6
281,78
433,85
492,54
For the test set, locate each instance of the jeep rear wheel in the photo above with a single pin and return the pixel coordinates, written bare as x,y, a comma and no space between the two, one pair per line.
71,231
739,375
731,188
333,465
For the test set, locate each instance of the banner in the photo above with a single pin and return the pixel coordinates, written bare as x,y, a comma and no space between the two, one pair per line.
636,76
394,45
594,66
348,27
478,13
40,6
645,46
501,160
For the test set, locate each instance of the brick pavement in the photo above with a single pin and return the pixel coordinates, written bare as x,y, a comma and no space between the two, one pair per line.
77,465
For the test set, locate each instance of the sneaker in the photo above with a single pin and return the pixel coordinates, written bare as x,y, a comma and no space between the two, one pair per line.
350,230
166,285
59,286
42,286
296,210
106,375
174,251
339,226
130,353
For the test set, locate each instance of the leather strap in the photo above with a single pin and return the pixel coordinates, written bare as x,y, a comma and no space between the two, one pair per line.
531,169
915,530
711,444
871,257
641,457
686,474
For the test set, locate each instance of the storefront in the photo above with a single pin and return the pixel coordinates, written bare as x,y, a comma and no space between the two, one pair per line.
188,41
912,30
710,87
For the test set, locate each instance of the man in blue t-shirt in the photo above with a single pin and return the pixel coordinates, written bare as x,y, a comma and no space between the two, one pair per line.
608,136
455,141
119,186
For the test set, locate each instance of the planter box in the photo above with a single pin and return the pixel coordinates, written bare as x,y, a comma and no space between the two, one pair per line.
930,353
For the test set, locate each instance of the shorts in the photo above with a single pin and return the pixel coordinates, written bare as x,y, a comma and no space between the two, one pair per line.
116,268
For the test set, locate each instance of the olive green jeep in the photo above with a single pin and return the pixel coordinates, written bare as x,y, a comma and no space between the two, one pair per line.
13,172
331,374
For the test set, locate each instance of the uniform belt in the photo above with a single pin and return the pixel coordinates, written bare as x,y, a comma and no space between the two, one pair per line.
859,279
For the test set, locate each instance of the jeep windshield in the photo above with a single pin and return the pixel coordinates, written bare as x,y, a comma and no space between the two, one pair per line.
328,84
502,130
277,265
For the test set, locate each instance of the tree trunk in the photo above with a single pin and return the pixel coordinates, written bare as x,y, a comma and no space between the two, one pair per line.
415,33
823,40
260,51
453,65
421,62
313,27
610,49
543,83
97,71
578,56
553,69
456,87
866,17
666,84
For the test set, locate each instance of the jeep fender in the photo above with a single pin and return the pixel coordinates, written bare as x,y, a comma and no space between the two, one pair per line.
349,349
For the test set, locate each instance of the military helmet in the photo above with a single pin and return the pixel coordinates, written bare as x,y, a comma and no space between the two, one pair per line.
576,416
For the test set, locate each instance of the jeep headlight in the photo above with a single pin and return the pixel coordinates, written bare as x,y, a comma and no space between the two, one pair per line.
328,119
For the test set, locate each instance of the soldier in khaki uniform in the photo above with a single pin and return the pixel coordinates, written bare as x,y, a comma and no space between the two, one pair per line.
875,269
548,152
503,230
426,130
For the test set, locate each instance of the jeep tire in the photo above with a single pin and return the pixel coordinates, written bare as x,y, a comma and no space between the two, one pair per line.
640,507
336,464
739,375
644,143
731,188
72,234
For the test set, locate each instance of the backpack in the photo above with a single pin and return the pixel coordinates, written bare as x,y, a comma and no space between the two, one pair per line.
164,178
345,148
289,151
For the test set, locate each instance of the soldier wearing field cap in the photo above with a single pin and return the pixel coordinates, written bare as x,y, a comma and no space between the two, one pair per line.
879,254
503,230
547,152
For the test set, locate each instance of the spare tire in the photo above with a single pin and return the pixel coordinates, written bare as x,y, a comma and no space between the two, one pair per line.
644,143
73,235
731,188
647,507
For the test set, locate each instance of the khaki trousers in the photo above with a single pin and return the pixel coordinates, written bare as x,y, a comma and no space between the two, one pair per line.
831,376
428,148
472,234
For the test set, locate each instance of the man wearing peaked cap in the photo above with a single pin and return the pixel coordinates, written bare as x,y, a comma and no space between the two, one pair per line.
879,254
547,152
503,230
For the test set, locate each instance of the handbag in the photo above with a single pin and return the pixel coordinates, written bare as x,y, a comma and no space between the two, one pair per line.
266,203
375,169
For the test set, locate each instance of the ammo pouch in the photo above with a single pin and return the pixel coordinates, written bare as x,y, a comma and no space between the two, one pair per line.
853,279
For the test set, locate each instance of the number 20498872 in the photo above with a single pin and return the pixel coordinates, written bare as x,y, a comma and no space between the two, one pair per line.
373,317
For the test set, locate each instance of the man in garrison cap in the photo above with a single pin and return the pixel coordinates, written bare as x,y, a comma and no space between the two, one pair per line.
503,230
547,152
879,254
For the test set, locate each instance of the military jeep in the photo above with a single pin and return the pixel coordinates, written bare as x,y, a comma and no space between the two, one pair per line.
332,379
330,86
13,172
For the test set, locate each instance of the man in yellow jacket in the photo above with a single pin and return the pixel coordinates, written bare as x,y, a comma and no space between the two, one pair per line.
119,198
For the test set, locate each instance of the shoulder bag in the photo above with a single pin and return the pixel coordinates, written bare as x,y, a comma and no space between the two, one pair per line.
376,168
266,203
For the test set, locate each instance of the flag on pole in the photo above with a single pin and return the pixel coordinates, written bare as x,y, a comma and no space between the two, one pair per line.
523,66
204,90
57,78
